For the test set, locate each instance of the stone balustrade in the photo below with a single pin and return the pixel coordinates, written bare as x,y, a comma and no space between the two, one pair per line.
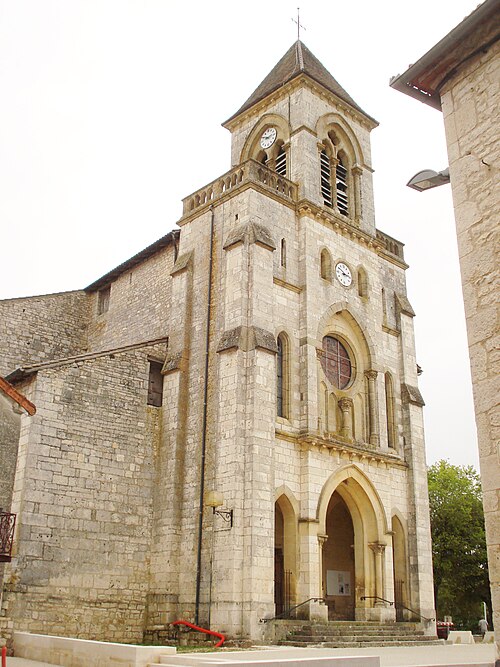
391,245
249,171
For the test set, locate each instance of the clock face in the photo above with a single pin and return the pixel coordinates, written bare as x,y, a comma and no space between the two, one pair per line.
343,273
268,137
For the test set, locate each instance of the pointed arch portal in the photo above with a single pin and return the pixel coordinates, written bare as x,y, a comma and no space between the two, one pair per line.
353,523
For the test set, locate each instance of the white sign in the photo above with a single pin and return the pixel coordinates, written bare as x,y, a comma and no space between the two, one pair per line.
338,582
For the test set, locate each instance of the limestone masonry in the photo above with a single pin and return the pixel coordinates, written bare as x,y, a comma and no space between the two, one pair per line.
229,423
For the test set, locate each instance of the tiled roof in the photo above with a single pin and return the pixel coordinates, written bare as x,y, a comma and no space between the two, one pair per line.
297,60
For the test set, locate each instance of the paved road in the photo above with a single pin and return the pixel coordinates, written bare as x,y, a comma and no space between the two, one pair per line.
474,654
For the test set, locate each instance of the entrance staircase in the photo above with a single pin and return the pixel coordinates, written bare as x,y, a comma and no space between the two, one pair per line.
353,634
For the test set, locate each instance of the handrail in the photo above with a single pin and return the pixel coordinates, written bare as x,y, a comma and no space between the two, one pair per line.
376,597
285,614
222,637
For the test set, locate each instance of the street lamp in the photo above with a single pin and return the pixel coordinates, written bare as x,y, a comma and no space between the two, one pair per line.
215,499
427,179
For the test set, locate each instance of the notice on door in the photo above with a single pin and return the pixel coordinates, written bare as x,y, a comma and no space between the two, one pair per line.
338,582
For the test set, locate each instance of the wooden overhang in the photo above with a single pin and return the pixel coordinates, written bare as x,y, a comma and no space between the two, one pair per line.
475,35
17,397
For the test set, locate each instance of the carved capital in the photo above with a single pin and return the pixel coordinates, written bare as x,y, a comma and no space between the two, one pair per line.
321,540
345,404
371,374
377,547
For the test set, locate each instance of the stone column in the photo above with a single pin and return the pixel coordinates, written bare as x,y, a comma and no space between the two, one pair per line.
321,541
345,404
333,164
373,406
356,174
378,550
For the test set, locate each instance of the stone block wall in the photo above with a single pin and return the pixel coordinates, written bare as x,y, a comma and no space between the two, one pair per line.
41,328
10,424
83,495
139,305
470,102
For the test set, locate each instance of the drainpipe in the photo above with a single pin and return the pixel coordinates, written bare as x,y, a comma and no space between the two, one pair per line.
204,424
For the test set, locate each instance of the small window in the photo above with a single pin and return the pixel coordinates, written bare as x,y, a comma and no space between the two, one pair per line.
362,282
155,387
325,265
390,411
282,377
283,253
103,300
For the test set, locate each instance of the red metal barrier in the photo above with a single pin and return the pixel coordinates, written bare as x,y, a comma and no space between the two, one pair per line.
222,638
4,656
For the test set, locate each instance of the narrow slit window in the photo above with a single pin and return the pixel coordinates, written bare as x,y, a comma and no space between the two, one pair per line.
282,377
155,386
283,253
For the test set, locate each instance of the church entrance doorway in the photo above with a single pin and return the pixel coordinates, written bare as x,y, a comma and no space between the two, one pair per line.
339,561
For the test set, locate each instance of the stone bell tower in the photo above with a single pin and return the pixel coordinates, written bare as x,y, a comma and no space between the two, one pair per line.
292,380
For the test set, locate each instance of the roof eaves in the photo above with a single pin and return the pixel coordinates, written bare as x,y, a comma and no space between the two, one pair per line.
155,247
408,81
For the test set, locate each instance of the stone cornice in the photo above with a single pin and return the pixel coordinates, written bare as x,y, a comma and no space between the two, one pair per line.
286,285
390,330
303,80
359,453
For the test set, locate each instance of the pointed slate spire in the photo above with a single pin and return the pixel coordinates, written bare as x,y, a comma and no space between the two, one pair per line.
298,60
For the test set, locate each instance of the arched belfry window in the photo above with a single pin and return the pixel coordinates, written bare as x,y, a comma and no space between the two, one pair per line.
282,377
341,181
336,362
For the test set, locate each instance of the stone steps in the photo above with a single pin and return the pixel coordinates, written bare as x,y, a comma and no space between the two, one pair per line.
357,634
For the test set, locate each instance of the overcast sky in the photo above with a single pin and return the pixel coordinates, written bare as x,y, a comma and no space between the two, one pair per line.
110,114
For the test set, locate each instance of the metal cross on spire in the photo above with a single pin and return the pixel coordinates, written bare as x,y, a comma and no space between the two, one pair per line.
299,25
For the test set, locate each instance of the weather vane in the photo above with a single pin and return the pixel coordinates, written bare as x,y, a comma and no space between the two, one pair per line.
299,26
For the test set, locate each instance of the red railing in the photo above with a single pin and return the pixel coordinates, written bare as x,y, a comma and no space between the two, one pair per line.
222,638
4,656
7,525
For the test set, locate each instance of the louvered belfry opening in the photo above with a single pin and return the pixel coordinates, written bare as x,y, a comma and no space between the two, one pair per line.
326,174
281,162
341,182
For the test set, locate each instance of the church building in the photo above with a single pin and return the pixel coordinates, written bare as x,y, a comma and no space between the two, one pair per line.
229,423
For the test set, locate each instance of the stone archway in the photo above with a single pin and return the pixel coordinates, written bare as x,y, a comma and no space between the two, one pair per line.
400,566
285,554
354,528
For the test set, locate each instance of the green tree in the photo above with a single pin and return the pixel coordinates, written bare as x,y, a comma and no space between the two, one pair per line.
461,581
